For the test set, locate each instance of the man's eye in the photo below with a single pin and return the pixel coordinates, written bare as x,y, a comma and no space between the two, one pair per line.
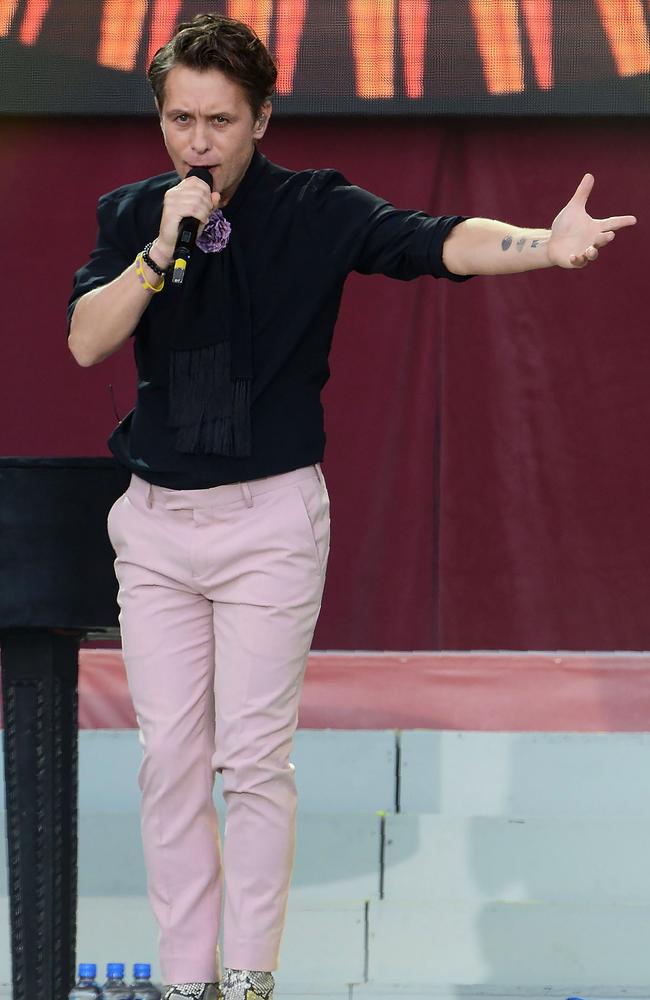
182,118
220,120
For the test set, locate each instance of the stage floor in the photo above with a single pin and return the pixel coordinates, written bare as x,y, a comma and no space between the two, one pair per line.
366,991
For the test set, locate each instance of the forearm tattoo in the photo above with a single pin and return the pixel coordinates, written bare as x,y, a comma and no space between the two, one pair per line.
539,241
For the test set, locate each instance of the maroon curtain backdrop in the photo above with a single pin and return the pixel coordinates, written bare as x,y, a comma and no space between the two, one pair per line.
486,442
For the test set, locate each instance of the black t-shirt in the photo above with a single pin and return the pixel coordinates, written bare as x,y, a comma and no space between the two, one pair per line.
301,234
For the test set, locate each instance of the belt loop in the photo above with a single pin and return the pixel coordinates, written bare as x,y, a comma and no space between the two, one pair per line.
319,473
246,493
149,498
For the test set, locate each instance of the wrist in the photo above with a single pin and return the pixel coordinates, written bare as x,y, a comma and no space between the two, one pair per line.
144,273
161,254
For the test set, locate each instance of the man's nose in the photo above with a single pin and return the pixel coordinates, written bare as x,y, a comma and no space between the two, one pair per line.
201,141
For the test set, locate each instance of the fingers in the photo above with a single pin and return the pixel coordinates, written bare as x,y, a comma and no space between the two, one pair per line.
193,192
618,222
591,253
583,190
192,199
581,260
603,239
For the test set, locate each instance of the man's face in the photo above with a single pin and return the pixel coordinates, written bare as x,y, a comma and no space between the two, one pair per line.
207,122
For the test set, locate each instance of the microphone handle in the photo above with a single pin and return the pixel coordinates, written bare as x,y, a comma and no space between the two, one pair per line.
187,231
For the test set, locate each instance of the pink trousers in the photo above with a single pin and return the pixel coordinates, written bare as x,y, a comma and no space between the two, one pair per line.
219,592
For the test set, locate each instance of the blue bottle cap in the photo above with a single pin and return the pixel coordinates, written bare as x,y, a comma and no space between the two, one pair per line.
142,970
115,970
87,970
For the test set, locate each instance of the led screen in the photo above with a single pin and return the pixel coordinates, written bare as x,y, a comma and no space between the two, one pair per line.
345,56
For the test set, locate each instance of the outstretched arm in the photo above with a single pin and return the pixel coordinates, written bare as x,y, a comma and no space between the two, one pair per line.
485,246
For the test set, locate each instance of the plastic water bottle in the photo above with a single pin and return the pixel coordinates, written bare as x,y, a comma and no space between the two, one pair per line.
115,988
142,987
85,988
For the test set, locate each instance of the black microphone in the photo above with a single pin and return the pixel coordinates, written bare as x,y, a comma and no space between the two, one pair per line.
187,231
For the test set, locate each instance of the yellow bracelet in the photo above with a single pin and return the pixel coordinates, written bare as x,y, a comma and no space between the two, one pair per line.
139,270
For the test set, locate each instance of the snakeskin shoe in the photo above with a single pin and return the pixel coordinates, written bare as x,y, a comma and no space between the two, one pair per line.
245,985
193,991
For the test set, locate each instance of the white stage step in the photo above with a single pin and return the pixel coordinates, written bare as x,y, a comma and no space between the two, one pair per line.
525,774
336,770
521,861
447,773
436,859
508,943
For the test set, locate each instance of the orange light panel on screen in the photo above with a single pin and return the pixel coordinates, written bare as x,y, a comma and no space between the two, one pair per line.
625,27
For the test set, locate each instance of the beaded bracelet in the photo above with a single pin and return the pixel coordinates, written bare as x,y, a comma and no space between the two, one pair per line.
139,270
150,262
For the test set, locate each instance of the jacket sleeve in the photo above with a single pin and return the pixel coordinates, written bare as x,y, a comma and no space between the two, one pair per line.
114,249
371,236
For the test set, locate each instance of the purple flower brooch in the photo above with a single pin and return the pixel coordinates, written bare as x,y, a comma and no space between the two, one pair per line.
216,234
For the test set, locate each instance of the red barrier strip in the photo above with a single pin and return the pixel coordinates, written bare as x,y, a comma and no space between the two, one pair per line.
516,692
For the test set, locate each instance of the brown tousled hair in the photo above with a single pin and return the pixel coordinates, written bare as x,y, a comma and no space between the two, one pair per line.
212,41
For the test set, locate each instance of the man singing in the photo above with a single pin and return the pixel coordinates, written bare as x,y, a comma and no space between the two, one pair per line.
222,537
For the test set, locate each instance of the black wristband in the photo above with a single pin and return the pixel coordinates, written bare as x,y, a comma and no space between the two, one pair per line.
151,263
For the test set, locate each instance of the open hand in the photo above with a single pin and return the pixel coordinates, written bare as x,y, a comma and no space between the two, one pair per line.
575,237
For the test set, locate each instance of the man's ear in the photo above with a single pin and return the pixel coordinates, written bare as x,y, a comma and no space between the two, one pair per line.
262,120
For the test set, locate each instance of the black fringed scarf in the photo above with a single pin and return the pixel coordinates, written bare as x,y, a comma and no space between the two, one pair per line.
210,356
210,345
